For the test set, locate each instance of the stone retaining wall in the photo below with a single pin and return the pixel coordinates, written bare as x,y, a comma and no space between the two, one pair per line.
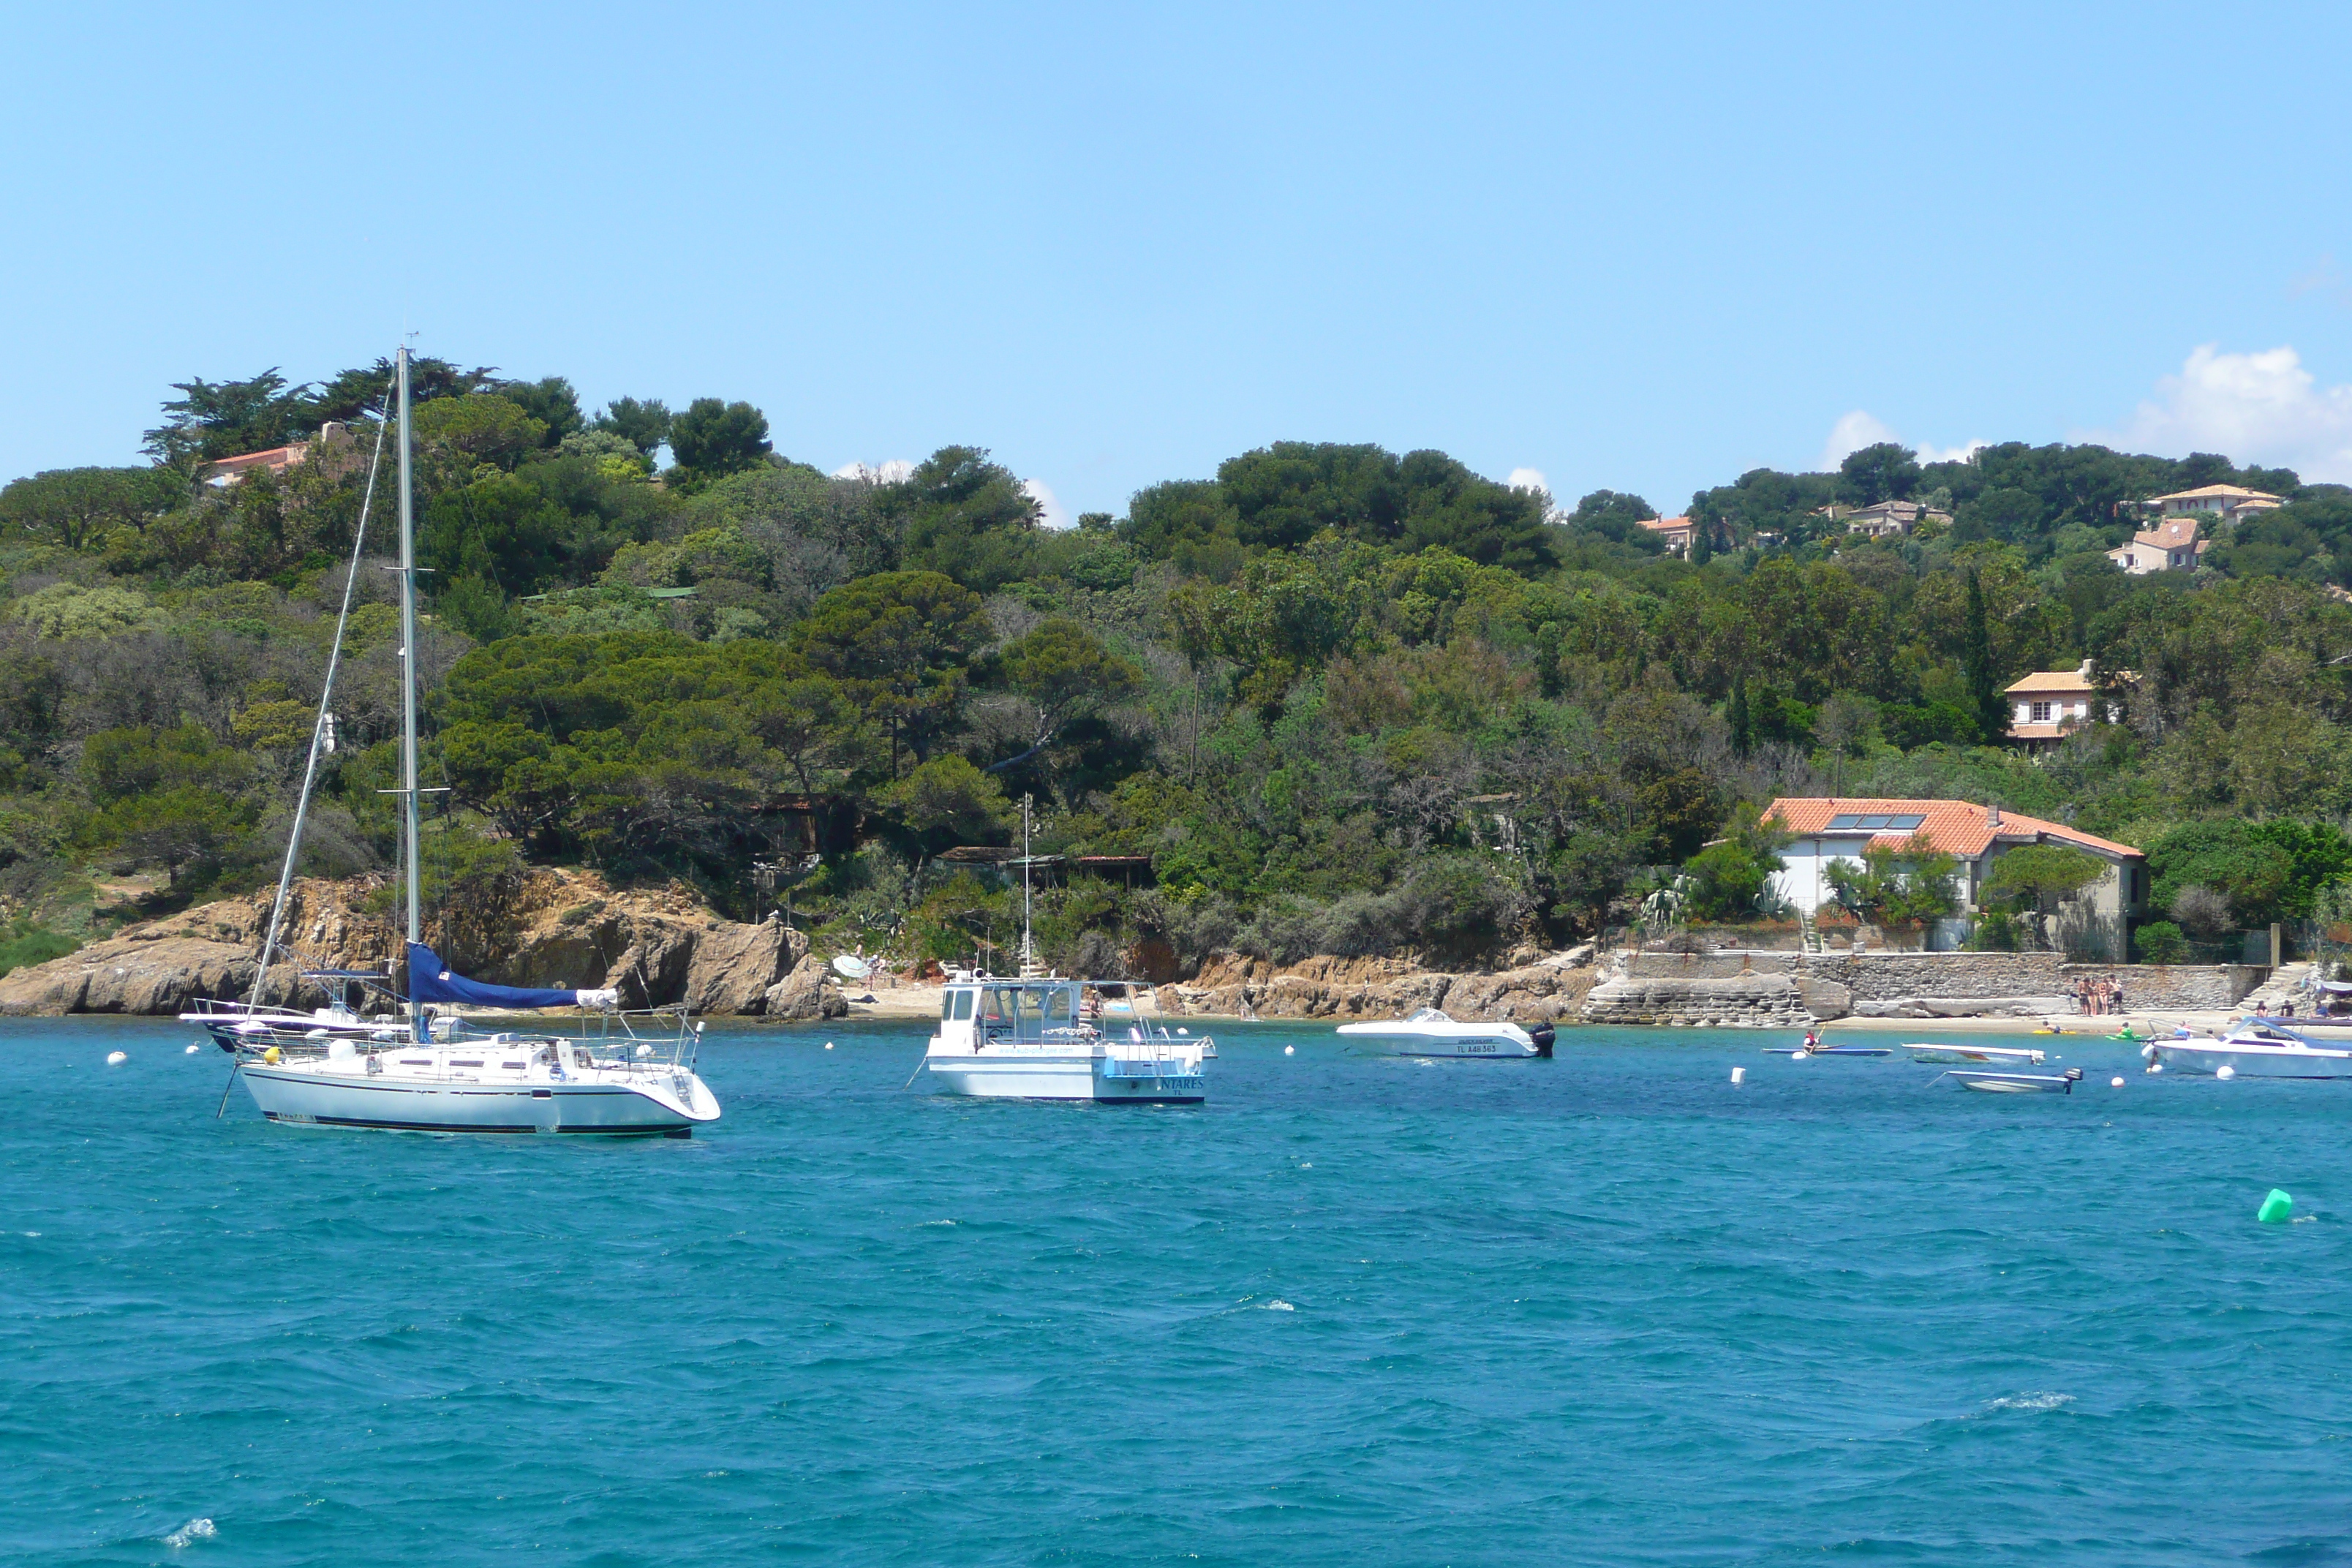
1674,988
1743,1002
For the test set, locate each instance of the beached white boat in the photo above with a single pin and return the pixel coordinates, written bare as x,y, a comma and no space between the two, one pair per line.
2017,1083
2253,1049
1971,1056
1046,1038
1433,1033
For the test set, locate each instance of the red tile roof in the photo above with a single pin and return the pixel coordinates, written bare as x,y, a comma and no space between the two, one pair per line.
1959,827
2051,680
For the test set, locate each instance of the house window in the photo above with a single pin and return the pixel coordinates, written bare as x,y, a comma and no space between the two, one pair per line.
2042,712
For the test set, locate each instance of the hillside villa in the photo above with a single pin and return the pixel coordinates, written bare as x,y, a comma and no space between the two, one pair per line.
1884,520
2218,503
1673,532
1830,828
2171,546
333,436
2050,704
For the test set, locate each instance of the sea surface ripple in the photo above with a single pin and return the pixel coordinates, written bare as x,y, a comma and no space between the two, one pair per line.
1606,1308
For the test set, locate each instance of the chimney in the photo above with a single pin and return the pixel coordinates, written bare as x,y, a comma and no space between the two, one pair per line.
1992,814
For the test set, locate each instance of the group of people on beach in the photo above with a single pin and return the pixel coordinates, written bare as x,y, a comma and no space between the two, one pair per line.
2100,996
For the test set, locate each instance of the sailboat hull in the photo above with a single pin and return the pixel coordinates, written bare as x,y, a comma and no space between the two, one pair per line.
301,1097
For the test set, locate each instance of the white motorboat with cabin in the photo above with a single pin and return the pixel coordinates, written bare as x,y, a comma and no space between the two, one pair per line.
2254,1048
1045,1038
339,1068
1432,1032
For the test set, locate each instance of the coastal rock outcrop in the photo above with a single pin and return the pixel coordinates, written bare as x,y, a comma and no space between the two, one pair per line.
1351,988
552,927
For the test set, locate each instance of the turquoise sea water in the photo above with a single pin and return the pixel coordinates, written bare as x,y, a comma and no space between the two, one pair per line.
1607,1308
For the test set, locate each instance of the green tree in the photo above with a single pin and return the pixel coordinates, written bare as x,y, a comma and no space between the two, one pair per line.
900,640
944,801
2040,876
1885,470
1985,695
211,420
75,508
710,437
1899,887
968,518
1066,673
643,422
1731,878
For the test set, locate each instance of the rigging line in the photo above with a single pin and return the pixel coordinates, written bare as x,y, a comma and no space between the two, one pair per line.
319,724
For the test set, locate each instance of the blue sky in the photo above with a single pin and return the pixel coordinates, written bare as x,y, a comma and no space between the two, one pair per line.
1640,247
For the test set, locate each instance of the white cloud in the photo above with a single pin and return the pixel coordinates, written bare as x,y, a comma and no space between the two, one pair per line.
897,471
2259,408
1054,513
1929,453
1849,436
1530,479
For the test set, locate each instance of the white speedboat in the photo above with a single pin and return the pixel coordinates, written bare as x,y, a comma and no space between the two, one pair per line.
1433,1033
2253,1049
1971,1056
2017,1083
1045,1038
503,1083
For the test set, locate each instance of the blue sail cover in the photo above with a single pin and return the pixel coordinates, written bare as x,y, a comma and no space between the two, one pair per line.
430,980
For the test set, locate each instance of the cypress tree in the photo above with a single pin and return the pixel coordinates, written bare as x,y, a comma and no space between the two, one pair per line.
1976,664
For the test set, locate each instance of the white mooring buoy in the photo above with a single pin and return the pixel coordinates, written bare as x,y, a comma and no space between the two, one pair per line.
1289,1050
116,1059
2225,1073
1739,1075
191,1051
2118,1084
828,1044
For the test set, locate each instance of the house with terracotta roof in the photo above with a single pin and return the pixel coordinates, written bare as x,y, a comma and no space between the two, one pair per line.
2050,704
2172,545
1673,532
1830,828
332,437
2223,503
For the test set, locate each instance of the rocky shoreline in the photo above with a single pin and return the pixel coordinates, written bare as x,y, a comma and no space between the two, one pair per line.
558,928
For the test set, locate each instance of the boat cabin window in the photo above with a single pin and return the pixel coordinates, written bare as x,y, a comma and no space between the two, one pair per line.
955,1004
1056,1005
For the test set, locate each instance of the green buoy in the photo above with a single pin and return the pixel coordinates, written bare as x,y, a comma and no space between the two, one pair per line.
2277,1209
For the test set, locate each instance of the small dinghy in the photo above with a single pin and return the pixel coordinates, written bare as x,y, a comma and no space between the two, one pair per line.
2018,1082
1828,1051
1972,1055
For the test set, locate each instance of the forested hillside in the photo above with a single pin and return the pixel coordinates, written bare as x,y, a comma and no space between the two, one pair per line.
1344,700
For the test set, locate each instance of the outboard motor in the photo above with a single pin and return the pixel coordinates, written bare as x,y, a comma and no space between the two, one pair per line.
1542,1035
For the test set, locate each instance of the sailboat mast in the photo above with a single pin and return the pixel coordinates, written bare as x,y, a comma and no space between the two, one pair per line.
409,848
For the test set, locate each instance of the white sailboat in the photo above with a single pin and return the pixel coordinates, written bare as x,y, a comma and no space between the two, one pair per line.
442,1081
